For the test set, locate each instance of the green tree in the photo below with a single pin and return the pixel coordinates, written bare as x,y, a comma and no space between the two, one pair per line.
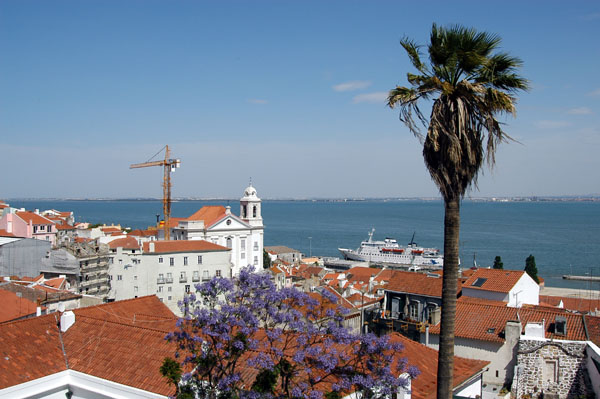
470,84
531,268
266,260
498,263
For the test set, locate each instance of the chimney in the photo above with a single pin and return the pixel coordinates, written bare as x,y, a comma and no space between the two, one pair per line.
37,212
426,335
228,210
67,319
151,246
38,311
512,331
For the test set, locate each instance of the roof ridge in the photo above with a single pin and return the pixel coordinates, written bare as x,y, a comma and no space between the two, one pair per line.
128,324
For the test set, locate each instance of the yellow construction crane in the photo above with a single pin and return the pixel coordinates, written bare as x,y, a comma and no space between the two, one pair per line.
169,166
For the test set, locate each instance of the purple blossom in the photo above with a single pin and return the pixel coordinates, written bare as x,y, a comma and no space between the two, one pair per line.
245,324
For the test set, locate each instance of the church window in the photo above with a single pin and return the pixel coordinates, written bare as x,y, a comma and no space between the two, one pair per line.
256,246
199,259
243,244
256,261
254,211
228,242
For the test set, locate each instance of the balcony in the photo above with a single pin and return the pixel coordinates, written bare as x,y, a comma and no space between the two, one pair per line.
169,280
183,279
205,278
160,280
195,278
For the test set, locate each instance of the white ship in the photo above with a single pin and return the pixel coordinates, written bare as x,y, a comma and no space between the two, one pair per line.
389,252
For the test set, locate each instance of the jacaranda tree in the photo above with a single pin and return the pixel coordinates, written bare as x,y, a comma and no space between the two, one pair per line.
243,338
470,84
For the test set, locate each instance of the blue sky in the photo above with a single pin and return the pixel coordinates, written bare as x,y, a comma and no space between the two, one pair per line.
288,93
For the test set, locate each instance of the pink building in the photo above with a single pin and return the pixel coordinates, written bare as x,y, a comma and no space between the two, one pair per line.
29,225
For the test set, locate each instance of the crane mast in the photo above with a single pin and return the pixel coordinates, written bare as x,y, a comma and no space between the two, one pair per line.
169,165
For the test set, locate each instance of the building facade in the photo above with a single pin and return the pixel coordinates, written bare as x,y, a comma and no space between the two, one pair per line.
242,235
167,269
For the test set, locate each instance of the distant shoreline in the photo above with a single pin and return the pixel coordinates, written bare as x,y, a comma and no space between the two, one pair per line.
578,198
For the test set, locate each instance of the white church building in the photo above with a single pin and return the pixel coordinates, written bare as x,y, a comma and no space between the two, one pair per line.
217,224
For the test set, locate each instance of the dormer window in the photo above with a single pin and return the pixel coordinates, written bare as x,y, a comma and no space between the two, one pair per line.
560,325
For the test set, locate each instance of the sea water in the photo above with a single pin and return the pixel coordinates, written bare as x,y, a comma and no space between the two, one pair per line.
563,236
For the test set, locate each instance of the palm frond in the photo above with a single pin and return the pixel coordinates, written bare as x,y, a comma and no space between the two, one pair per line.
413,51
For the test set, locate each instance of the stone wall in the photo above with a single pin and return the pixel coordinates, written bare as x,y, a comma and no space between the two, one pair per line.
551,369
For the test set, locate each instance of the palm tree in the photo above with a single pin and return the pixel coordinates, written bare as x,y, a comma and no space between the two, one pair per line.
470,84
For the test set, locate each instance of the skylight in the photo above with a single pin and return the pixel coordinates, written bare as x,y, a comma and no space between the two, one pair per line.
479,282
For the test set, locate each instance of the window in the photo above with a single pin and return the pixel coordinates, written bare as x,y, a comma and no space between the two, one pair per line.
205,275
171,261
112,261
160,260
243,244
254,211
185,261
256,261
35,229
256,246
229,243
196,276
160,288
199,259
187,289
119,277
169,288
160,299
120,262
170,297
243,255
218,273
110,277
135,288
413,310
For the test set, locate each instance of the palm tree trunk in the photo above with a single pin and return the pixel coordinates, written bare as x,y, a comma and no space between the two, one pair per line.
449,289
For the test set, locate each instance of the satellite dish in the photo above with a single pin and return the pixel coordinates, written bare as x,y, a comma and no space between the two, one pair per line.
61,307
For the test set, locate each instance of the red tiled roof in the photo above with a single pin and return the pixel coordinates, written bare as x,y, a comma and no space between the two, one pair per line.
34,218
4,233
426,359
143,233
498,280
486,322
83,239
125,243
64,226
415,283
182,246
209,214
14,307
361,273
119,342
582,305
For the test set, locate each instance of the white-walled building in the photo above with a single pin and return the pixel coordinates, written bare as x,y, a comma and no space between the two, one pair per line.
514,287
243,234
167,269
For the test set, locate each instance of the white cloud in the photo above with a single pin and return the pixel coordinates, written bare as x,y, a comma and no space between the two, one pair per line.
352,85
551,124
594,93
257,101
377,97
580,111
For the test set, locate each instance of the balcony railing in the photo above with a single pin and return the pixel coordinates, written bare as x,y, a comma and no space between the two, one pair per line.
205,278
160,280
195,278
183,279
169,280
